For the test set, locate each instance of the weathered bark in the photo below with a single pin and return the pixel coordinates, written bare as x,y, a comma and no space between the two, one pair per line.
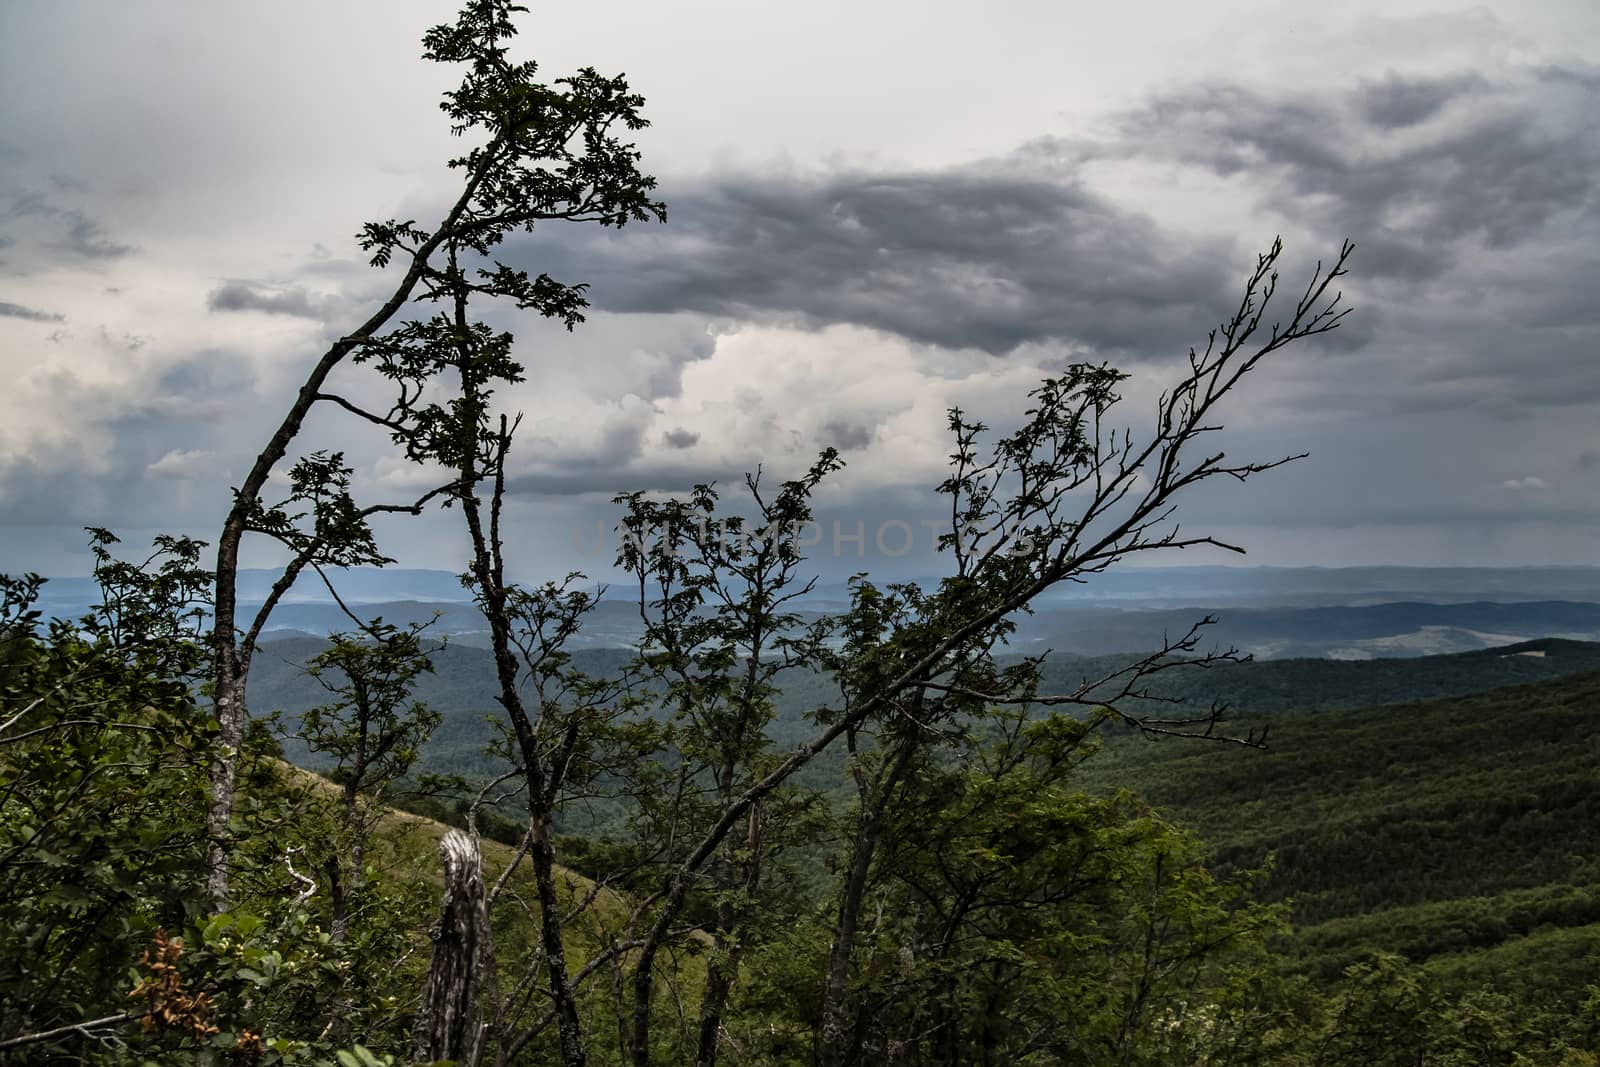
449,1025
570,1028
228,682
720,972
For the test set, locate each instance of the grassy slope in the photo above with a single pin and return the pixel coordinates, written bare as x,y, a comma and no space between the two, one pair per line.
405,851
1464,832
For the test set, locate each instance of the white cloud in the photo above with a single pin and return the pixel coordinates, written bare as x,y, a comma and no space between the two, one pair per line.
1530,482
182,463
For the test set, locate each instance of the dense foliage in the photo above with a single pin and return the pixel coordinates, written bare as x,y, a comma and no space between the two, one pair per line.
102,789
1458,833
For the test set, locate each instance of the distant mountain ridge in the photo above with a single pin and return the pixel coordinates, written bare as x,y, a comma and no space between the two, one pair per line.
1372,631
463,687
1272,613
1277,686
1185,586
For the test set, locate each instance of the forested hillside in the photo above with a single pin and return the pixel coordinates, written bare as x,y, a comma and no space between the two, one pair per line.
1461,833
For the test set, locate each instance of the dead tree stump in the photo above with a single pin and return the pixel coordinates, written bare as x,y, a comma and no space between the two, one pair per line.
449,1025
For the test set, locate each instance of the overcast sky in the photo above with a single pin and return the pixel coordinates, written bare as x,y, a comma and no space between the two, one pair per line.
876,211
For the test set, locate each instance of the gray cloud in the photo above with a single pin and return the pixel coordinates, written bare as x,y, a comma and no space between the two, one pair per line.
17,311
1397,102
87,238
987,257
681,438
273,300
591,479
48,225
1412,168
847,437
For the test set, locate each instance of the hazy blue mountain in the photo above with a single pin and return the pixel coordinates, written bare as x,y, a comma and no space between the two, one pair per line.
1372,632
1217,586
1339,632
1276,613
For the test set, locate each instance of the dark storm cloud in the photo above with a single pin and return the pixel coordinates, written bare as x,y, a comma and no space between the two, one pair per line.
1421,172
273,300
1473,204
680,438
978,257
17,311
1398,102
1412,169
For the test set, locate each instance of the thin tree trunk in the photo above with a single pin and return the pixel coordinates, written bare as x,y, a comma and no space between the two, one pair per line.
230,712
231,659
542,856
722,969
837,1046
487,571
836,990
541,852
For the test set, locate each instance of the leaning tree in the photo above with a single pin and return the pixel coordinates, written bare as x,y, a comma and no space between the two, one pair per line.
542,153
